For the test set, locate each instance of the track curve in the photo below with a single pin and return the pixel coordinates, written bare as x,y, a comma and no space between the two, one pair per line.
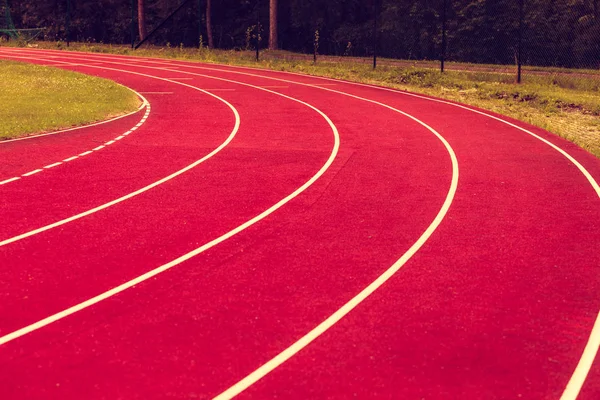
498,303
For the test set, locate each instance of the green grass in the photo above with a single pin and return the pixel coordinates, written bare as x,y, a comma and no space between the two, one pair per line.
37,99
563,101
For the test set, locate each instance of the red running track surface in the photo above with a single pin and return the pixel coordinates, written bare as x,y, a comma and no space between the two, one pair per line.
499,301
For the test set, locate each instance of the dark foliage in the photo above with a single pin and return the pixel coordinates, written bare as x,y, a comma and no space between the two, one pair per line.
556,32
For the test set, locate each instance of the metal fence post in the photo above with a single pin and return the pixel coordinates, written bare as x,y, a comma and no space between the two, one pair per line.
315,44
68,22
132,24
375,34
443,56
520,43
200,23
257,29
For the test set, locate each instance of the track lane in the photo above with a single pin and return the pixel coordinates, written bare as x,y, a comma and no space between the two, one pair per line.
121,172
417,140
201,282
548,138
272,141
590,164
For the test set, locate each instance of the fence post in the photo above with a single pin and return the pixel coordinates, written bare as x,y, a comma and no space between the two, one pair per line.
257,29
443,57
316,45
520,43
375,34
200,23
68,22
132,24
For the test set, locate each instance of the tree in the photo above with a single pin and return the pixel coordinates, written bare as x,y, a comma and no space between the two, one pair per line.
273,25
142,19
209,34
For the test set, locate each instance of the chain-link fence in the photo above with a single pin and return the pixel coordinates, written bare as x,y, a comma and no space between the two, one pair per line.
554,33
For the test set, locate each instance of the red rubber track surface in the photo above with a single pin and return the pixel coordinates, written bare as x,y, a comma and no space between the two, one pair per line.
499,302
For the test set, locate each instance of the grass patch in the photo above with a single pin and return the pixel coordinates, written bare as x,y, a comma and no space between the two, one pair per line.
38,99
563,101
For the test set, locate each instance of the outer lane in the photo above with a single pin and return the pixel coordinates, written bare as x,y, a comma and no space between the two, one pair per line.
485,166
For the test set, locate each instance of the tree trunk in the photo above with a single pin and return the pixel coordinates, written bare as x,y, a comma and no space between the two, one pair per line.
209,34
142,19
273,25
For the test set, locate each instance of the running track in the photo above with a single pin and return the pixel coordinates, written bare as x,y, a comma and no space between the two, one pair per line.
272,235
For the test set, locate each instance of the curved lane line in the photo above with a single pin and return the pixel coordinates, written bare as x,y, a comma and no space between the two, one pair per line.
69,159
145,188
144,104
305,340
103,296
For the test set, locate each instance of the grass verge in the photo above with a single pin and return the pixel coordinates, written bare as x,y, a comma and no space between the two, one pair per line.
37,99
563,101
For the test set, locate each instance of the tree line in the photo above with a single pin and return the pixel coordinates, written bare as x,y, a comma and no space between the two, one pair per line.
562,33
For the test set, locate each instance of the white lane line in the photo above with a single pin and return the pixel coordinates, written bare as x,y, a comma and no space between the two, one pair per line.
122,136
354,302
70,158
83,65
148,187
85,153
109,143
53,318
584,365
221,90
53,165
33,172
55,64
98,148
156,92
9,180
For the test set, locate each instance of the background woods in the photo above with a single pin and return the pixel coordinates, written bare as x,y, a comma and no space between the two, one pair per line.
562,33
